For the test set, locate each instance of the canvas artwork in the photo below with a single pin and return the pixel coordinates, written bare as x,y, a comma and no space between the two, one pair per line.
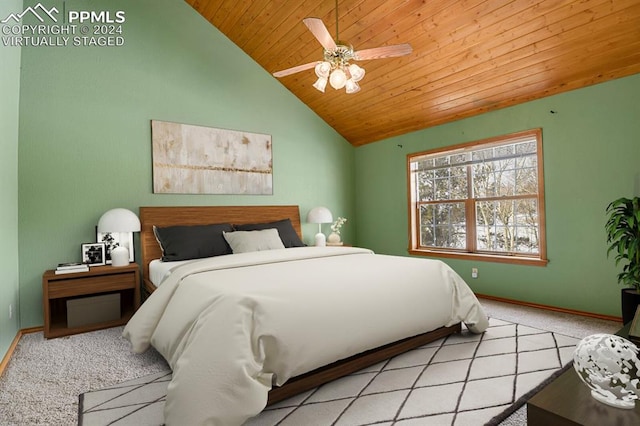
190,159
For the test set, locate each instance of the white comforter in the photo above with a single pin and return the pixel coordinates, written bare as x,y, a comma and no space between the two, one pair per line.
230,326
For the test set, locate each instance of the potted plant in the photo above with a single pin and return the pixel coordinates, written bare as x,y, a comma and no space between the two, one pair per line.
623,236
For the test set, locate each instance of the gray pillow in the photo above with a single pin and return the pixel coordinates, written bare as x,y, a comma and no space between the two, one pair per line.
246,241
288,235
184,242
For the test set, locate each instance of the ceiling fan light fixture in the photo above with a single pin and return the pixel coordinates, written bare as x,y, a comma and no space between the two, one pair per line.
357,73
351,86
336,66
320,84
323,69
338,79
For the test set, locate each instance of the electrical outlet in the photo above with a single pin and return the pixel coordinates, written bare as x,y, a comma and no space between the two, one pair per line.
474,272
10,311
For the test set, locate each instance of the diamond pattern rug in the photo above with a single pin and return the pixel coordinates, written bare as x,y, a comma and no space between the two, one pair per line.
463,379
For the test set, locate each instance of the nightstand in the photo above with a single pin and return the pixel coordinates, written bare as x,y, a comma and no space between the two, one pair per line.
78,302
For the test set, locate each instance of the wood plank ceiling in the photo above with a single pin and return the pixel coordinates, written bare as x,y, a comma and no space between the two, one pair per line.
469,56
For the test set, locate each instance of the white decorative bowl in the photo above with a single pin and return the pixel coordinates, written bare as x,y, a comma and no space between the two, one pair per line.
609,365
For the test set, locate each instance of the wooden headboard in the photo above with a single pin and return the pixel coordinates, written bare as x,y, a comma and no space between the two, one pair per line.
203,215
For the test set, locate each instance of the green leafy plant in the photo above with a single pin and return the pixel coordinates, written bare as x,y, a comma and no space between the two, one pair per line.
623,235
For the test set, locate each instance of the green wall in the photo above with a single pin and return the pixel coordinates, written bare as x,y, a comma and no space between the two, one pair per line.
85,139
9,100
591,155
84,147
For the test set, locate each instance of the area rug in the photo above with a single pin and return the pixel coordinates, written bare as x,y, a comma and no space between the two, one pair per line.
463,379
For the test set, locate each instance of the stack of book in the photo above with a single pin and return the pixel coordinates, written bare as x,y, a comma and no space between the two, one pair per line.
70,268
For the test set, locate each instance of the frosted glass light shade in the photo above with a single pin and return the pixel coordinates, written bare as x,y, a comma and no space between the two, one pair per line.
338,79
322,69
343,74
119,220
352,86
357,73
320,84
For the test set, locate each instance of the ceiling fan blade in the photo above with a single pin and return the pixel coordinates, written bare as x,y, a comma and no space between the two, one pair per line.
294,70
319,30
383,52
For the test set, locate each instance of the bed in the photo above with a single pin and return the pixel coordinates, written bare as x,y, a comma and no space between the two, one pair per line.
246,330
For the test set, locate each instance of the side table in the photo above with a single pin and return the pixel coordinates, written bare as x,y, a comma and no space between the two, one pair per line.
57,290
568,401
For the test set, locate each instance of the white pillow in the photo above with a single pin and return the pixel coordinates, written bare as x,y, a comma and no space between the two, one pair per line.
245,241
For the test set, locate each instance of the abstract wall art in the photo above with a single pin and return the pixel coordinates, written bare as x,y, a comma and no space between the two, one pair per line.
189,159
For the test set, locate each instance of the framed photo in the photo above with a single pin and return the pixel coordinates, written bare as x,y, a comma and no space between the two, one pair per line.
115,239
93,254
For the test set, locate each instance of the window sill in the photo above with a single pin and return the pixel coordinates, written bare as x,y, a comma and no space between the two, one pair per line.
516,260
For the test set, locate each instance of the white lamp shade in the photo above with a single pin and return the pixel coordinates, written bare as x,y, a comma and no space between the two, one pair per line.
119,220
338,79
319,215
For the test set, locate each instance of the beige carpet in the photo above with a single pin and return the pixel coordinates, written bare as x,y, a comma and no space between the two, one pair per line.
45,377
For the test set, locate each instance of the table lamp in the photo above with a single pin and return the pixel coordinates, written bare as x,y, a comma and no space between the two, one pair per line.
119,220
320,215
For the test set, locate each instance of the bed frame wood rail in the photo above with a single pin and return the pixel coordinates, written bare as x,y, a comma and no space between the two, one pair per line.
355,363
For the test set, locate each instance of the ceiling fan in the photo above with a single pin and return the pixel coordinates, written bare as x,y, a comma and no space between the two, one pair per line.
336,67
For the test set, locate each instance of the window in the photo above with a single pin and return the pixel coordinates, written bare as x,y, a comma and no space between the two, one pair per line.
481,200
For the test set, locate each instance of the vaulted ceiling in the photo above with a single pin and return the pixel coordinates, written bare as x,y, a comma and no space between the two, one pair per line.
469,56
